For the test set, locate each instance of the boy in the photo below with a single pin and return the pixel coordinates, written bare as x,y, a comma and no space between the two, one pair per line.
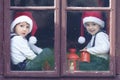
99,45
25,55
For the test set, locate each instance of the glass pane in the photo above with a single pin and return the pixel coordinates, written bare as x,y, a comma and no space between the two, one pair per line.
32,2
88,3
88,41
26,52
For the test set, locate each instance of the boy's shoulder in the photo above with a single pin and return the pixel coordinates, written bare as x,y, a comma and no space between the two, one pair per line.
18,40
102,34
14,36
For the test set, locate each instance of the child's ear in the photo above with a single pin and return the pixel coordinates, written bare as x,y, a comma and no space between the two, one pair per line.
14,30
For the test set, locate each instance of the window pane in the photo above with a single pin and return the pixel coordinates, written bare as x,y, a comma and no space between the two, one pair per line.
88,3
94,45
24,55
32,2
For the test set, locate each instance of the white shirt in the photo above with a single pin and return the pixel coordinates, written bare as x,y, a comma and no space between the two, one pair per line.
101,47
21,49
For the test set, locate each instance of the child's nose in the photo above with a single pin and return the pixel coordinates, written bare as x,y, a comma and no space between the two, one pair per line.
24,28
90,26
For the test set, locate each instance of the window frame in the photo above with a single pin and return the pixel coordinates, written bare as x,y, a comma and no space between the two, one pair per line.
1,37
60,32
7,71
112,31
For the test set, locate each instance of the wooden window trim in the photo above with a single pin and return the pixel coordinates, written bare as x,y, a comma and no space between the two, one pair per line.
1,37
62,49
112,31
6,45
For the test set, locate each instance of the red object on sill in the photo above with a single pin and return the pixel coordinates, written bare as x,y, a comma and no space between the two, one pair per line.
73,60
85,56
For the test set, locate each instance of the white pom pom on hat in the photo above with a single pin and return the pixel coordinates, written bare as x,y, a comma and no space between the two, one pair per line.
27,17
32,40
81,39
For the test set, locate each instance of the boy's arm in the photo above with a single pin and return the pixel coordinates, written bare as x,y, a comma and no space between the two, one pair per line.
35,48
21,45
102,44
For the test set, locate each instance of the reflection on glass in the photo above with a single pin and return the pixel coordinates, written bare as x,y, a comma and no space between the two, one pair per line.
32,2
87,33
88,3
32,40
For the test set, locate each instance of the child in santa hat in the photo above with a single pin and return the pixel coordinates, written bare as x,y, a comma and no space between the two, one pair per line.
25,55
99,45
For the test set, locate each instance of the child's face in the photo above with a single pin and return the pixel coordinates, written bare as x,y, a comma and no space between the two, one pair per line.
22,29
92,27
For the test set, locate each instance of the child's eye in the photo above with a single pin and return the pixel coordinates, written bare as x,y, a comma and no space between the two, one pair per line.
21,25
94,24
86,24
28,27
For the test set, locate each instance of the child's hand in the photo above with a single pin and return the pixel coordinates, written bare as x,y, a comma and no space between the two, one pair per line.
85,49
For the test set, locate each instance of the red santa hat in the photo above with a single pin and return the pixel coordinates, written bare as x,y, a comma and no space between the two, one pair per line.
90,16
27,17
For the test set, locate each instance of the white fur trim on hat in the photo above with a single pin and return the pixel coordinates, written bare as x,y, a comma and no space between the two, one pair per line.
21,19
81,39
95,20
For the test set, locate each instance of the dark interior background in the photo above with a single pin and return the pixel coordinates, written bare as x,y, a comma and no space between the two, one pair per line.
45,21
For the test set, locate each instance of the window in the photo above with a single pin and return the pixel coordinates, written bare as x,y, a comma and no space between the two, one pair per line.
46,15
73,11
60,33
